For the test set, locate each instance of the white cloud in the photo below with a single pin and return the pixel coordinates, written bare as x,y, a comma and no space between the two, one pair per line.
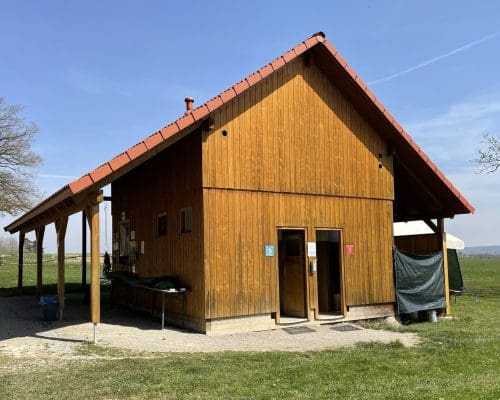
451,139
435,59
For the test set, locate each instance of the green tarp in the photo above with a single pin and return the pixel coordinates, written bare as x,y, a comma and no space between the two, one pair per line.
419,281
454,274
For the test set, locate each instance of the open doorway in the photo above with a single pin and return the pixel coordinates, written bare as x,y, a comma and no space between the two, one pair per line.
329,272
292,273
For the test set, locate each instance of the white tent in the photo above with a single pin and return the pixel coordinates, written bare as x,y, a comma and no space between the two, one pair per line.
421,228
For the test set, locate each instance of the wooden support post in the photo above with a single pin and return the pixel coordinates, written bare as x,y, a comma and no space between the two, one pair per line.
442,238
95,282
84,250
20,263
39,232
61,225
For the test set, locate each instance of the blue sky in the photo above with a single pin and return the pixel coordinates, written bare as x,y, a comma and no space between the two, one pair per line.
99,76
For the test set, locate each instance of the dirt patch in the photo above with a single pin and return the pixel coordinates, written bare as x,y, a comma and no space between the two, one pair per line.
23,336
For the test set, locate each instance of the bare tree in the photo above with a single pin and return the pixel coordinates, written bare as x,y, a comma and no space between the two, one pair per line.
18,162
489,156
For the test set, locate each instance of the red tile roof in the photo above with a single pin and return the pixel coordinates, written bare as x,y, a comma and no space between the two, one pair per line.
186,121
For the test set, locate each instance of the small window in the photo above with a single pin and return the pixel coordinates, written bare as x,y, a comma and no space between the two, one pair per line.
186,220
162,224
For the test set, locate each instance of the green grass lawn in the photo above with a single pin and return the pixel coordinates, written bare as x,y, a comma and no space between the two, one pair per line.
457,359
8,274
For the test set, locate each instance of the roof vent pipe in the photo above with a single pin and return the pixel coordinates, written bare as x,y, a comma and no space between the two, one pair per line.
189,105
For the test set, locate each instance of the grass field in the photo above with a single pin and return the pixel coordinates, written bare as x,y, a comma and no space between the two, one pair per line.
8,274
457,359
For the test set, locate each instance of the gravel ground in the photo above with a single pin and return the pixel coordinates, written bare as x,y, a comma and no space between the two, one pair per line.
24,336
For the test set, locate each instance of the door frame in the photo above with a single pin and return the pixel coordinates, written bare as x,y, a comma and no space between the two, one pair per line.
306,275
343,306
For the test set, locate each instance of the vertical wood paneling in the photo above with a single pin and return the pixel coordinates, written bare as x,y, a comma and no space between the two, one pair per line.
369,273
167,182
296,133
293,133
419,244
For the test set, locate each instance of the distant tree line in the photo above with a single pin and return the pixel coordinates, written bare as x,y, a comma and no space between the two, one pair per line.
8,245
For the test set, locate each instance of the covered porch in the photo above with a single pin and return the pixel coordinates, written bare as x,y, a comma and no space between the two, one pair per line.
423,194
56,210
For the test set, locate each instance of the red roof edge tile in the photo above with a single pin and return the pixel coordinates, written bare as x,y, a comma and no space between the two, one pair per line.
330,47
153,140
289,56
227,95
300,48
100,172
169,130
253,78
377,103
137,150
277,63
81,183
200,112
119,161
341,60
351,72
266,70
185,121
241,86
310,42
214,103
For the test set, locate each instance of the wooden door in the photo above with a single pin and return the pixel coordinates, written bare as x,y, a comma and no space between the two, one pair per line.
292,273
323,251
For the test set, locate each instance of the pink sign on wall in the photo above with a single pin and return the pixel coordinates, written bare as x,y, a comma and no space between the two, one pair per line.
349,249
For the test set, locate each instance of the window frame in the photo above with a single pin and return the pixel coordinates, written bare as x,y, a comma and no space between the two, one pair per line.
186,220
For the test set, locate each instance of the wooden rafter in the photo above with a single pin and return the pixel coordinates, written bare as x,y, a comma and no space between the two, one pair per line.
431,225
419,182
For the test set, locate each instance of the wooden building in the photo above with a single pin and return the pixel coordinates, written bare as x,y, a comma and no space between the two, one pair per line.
274,199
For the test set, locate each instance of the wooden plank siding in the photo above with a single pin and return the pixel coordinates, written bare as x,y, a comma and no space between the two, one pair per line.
247,283
296,154
169,181
419,244
301,137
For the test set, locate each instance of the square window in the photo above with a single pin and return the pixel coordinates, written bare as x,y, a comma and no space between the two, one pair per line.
162,224
186,220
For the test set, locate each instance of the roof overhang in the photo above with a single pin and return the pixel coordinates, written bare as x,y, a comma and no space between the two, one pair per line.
77,195
421,190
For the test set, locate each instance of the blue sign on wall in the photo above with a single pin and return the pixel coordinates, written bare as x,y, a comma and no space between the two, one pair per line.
269,250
